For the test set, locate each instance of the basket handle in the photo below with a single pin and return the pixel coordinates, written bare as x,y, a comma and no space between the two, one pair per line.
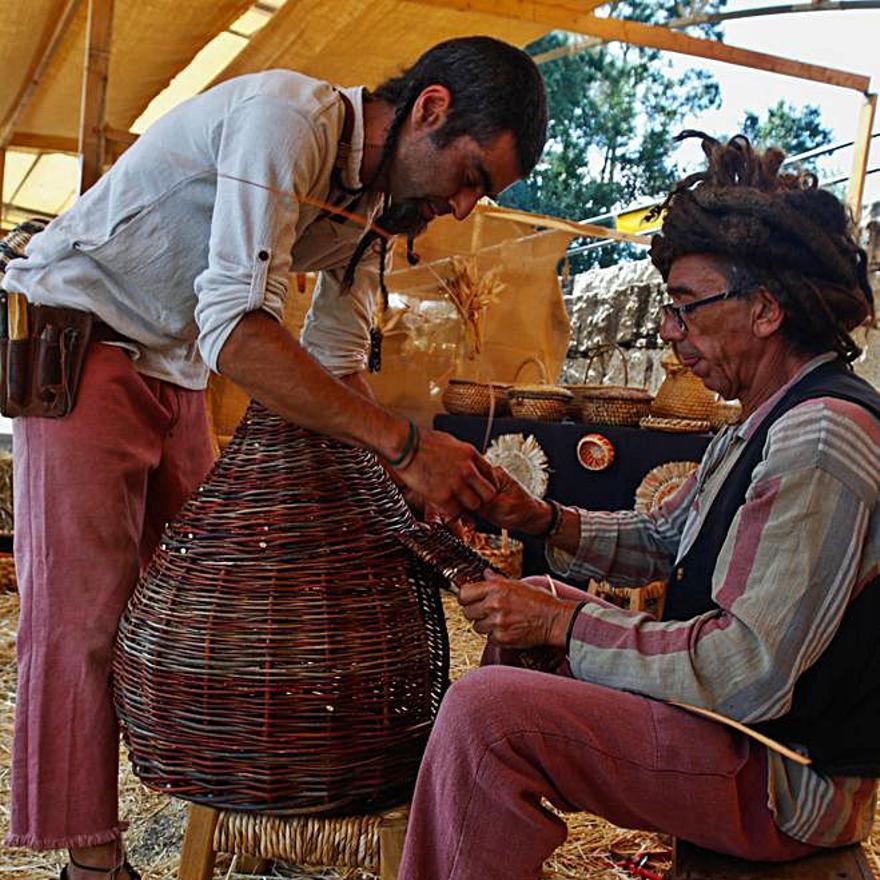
525,363
612,347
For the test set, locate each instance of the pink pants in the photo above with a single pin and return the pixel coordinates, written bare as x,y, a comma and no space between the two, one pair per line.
92,492
506,737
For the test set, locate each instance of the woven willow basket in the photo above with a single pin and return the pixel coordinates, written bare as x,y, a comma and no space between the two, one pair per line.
547,403
286,649
610,404
613,404
462,397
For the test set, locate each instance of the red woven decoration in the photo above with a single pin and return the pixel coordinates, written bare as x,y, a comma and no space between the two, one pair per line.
286,650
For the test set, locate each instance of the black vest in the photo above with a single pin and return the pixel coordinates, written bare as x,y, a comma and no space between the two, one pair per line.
835,710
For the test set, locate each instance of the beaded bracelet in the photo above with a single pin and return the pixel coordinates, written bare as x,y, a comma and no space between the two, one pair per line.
410,448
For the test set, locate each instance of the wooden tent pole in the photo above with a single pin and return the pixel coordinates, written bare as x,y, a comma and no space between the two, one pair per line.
94,92
861,150
2,171
568,16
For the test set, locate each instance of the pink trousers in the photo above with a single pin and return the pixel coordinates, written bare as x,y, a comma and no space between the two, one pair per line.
507,737
92,492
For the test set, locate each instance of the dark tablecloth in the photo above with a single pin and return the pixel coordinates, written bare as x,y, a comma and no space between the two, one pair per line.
636,451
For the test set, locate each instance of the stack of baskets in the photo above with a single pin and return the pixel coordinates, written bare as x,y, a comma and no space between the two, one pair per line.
610,404
286,649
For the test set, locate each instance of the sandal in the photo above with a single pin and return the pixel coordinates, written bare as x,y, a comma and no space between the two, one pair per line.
113,872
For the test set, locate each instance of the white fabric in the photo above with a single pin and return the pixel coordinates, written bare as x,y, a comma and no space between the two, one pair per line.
204,218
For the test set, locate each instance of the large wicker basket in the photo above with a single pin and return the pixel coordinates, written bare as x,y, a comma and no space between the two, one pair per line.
285,650
610,404
463,397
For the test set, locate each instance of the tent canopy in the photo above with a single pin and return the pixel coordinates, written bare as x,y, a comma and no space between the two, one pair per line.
158,52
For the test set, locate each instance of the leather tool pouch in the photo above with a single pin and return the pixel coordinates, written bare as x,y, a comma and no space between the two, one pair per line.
42,350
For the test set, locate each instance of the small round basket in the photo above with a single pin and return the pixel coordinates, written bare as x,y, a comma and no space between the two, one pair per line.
613,405
610,404
542,402
463,397
506,554
546,403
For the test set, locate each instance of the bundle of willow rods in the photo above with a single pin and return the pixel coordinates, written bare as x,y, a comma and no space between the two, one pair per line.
286,649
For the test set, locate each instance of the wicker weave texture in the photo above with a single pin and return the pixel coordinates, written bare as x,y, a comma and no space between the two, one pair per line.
465,398
285,651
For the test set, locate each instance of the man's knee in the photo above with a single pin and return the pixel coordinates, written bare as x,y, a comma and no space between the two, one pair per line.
483,702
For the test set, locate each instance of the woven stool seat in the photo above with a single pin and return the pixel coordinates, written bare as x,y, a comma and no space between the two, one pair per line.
285,650
340,841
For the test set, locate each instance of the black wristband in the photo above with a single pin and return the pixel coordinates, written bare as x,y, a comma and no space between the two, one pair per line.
571,624
413,452
555,513
412,439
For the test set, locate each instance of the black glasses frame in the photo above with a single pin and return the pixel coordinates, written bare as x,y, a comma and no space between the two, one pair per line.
677,312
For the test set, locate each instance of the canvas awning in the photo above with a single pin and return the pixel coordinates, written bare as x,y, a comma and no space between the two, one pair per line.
158,52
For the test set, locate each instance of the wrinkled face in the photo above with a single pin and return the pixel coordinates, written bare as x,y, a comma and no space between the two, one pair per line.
436,180
718,345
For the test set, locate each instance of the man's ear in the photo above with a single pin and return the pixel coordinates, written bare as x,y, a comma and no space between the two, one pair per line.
431,107
767,314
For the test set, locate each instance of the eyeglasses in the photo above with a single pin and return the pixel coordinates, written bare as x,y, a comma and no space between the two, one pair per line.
671,310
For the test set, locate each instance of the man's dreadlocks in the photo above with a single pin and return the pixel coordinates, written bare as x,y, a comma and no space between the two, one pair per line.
781,232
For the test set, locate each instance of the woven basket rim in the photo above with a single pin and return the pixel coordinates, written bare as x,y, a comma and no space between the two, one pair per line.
611,392
473,383
676,424
541,392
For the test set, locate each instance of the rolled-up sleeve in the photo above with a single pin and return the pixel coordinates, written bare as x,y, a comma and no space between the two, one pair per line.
336,331
268,157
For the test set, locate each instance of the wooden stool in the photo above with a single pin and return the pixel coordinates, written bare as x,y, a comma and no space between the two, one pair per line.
374,842
691,862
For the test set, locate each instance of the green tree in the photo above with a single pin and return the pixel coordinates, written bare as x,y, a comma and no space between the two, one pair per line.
786,127
613,112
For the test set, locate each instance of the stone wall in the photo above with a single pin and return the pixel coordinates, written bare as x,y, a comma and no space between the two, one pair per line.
621,304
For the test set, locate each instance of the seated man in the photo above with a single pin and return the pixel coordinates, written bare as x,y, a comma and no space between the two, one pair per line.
771,551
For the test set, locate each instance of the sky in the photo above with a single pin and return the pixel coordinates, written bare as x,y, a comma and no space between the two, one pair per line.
847,40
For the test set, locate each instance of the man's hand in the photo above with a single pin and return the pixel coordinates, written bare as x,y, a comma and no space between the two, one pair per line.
512,507
514,614
449,474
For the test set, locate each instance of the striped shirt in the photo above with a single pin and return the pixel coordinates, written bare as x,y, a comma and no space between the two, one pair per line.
804,543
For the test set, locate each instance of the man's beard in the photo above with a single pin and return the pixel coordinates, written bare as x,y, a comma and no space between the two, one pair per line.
404,217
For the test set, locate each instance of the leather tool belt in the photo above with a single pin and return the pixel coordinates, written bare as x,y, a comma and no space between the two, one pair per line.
42,350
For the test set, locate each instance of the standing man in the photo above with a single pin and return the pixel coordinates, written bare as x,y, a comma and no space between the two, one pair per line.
183,252
771,552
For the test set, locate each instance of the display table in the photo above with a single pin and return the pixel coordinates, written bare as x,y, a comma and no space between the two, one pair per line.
636,451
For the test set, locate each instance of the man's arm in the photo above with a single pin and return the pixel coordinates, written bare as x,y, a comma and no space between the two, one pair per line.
624,546
262,357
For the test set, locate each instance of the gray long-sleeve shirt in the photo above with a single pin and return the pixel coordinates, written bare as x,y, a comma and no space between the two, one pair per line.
204,218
